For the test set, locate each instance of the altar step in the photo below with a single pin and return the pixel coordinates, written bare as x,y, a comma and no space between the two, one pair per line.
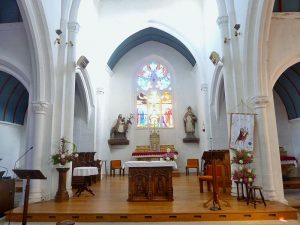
110,205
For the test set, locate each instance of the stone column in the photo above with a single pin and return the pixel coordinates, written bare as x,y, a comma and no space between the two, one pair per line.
69,94
40,109
99,124
204,124
264,165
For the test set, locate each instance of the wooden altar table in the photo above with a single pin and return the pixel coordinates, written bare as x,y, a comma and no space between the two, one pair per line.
150,180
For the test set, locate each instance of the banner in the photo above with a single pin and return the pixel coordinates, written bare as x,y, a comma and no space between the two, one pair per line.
241,131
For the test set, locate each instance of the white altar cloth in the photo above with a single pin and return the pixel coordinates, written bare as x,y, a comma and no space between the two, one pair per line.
151,164
85,171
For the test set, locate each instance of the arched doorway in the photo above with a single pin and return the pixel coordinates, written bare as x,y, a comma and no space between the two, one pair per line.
286,93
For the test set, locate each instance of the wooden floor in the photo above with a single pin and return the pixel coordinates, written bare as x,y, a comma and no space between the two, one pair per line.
110,205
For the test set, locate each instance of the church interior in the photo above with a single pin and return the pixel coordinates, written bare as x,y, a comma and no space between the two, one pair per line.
149,111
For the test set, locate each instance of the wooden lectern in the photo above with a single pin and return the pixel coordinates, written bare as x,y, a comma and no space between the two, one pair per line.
215,199
28,175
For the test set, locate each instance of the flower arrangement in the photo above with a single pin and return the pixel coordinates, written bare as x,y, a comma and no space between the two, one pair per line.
242,157
244,174
64,154
169,156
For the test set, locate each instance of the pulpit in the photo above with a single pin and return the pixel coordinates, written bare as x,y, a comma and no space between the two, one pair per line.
150,181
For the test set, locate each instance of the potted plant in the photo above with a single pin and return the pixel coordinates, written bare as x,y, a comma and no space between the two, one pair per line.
67,152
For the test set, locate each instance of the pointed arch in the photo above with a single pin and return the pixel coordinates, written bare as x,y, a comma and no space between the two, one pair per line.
145,35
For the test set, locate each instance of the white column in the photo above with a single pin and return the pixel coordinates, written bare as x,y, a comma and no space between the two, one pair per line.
98,124
40,109
69,97
264,168
205,122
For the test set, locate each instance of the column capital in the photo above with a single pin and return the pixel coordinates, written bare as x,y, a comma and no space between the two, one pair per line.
222,20
73,27
40,107
260,101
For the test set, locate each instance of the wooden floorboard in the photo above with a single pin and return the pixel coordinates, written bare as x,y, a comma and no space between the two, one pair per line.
110,204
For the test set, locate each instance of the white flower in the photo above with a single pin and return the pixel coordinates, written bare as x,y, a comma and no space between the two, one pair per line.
62,156
168,150
249,154
241,161
240,168
241,179
249,170
250,179
168,158
175,156
76,155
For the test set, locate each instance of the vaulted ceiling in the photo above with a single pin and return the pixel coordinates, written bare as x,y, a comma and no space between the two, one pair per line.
149,34
288,89
13,99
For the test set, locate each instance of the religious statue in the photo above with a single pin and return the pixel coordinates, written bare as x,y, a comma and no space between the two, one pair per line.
190,120
119,130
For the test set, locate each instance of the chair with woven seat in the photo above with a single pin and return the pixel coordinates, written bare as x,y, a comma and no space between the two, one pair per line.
116,165
220,173
192,163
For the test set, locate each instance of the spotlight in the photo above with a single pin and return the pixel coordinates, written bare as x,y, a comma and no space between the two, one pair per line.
82,62
58,32
237,27
214,57
57,40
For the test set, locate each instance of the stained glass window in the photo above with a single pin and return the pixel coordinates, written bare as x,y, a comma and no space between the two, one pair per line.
154,97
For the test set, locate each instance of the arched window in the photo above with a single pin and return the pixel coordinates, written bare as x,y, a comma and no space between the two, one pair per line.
154,97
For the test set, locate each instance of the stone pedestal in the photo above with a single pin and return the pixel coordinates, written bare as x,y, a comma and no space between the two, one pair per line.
118,141
62,194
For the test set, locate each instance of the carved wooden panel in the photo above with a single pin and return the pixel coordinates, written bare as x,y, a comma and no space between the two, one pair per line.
150,184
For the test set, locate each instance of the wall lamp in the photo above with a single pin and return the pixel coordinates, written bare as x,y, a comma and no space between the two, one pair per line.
215,57
226,39
70,43
237,27
82,62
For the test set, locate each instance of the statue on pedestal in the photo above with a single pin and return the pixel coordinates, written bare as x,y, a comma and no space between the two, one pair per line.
190,120
119,130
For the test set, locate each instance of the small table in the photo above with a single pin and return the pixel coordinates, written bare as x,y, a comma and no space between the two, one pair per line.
84,172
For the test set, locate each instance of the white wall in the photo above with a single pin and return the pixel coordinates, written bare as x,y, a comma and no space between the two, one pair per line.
83,128
12,140
14,49
123,95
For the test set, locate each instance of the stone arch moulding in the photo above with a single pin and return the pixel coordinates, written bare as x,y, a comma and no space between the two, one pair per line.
281,68
86,91
39,41
150,34
217,87
16,72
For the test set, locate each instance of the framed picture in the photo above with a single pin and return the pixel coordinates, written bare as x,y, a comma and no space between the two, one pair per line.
241,131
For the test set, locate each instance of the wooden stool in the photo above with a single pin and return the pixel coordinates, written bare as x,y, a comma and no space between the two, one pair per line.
66,222
208,180
251,195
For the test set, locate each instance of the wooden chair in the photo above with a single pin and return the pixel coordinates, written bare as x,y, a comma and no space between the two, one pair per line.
220,173
116,165
192,163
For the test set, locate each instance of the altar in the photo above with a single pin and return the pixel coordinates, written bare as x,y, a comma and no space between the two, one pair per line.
144,152
150,180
